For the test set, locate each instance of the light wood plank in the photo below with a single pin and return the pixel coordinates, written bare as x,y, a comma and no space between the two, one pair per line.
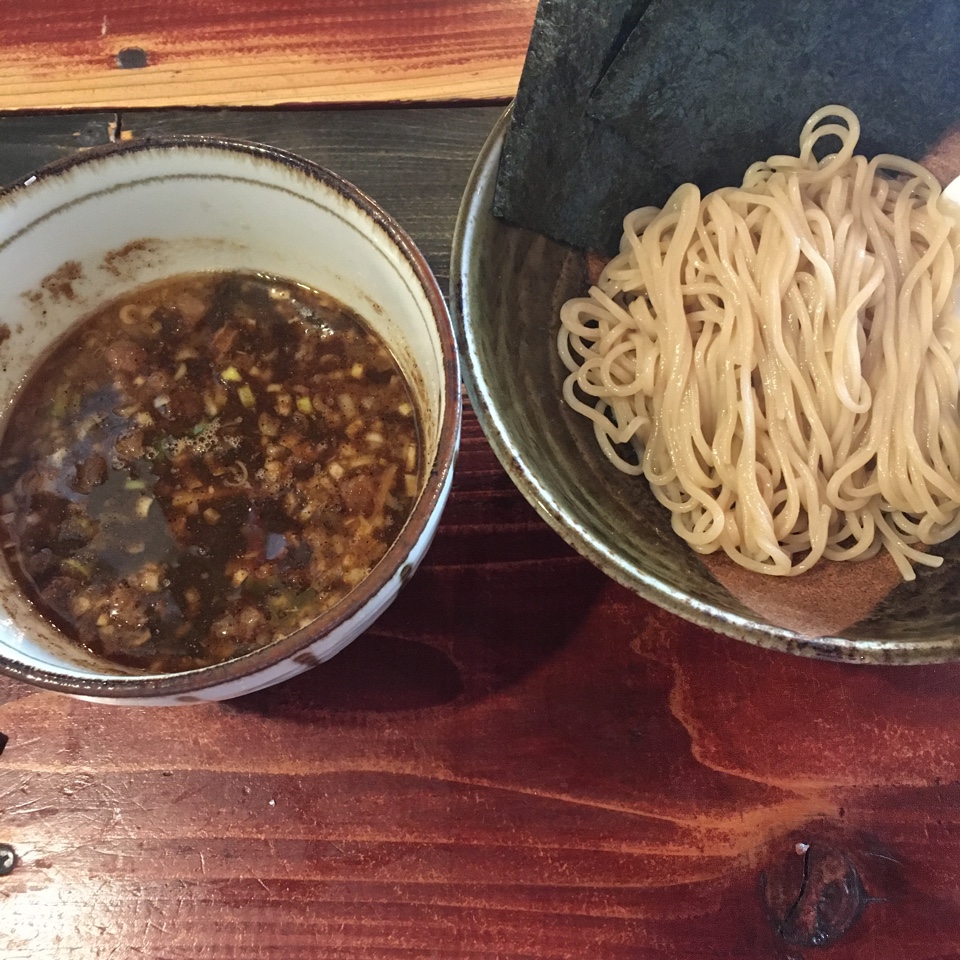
67,54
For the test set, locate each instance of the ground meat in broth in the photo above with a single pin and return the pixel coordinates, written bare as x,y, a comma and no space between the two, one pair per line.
204,466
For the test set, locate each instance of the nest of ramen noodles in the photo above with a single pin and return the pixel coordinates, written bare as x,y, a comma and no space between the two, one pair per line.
782,358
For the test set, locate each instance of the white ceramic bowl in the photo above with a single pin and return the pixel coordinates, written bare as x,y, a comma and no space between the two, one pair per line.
83,231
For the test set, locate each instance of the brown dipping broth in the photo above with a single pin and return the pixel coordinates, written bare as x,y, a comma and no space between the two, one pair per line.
204,466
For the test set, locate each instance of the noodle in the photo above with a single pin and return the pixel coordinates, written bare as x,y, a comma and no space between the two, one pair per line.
780,359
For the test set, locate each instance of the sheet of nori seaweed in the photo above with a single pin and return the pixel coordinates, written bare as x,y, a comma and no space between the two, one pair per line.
548,144
698,90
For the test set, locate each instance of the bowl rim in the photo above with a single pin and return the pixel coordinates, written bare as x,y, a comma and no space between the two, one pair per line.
867,650
436,481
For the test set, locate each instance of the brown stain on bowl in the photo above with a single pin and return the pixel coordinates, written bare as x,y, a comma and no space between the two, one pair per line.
824,601
117,262
59,284
307,658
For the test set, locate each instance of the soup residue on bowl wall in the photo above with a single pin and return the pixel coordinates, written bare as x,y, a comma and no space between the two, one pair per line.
204,466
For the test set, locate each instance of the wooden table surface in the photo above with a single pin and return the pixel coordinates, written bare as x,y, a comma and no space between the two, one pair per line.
520,760
146,53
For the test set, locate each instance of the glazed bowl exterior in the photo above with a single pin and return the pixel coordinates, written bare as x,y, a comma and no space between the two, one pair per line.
507,286
84,231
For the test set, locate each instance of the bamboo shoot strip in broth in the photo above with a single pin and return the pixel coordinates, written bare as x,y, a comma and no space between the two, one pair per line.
204,466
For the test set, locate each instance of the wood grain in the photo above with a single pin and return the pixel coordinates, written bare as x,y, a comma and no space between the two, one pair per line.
28,142
520,761
72,53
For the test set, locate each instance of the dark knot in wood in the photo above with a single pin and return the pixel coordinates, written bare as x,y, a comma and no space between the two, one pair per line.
813,896
132,58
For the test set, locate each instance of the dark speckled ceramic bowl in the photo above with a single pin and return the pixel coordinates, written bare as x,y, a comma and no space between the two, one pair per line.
507,288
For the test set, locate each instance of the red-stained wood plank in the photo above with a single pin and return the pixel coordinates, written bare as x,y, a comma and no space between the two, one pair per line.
82,54
521,759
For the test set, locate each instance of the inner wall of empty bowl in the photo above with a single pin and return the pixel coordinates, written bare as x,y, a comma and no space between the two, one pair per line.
101,228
